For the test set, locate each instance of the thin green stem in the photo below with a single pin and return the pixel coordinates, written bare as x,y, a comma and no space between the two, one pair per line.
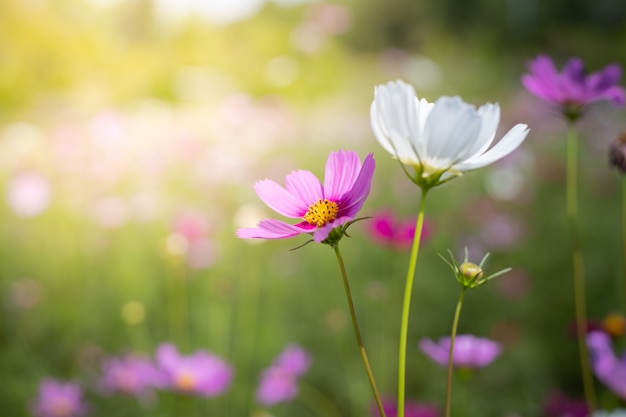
624,235
406,305
455,324
578,265
357,332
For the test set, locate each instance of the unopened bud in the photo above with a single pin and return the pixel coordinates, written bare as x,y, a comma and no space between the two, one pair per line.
471,271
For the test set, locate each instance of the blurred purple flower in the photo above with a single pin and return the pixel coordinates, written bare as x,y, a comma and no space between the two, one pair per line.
28,194
571,88
199,373
469,351
560,405
321,207
130,375
411,409
279,382
608,368
386,229
59,399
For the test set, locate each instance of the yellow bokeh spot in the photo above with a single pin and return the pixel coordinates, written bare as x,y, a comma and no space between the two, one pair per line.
321,212
133,312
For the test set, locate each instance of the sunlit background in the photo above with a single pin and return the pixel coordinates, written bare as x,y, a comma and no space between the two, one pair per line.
133,131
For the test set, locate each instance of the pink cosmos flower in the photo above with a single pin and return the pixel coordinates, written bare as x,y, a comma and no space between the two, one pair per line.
200,373
608,368
387,229
469,351
59,399
321,208
131,375
571,88
279,382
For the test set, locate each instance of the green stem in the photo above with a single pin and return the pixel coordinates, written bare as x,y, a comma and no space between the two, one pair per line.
455,324
406,305
357,332
578,266
624,234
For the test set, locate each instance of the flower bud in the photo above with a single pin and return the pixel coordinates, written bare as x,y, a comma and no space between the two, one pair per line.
617,153
471,271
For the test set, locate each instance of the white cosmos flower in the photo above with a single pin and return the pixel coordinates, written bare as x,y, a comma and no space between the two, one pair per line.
440,140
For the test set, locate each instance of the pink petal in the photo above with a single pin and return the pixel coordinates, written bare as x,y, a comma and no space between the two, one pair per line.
305,186
354,199
342,169
279,199
274,229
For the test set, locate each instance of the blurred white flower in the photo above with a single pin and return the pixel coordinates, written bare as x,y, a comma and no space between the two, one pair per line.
28,194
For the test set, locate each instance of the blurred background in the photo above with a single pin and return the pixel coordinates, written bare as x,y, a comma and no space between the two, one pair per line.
132,132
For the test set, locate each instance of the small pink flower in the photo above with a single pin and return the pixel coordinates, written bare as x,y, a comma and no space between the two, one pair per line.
386,229
321,208
129,375
469,351
279,382
59,399
200,373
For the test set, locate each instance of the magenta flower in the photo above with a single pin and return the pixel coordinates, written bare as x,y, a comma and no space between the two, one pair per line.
469,351
58,399
321,208
279,382
411,409
199,373
129,375
572,89
608,368
386,229
560,405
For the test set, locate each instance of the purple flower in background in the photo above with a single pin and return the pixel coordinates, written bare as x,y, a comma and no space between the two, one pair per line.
387,229
608,368
469,351
199,373
59,399
411,409
130,375
279,382
560,405
321,208
572,89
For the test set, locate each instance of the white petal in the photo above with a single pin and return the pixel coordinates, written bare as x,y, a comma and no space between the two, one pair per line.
505,146
490,114
392,117
451,128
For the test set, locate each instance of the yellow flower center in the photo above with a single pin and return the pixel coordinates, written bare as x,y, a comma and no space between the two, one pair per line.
185,381
321,212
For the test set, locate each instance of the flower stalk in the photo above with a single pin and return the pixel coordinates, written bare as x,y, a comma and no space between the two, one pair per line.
406,304
357,331
578,265
455,324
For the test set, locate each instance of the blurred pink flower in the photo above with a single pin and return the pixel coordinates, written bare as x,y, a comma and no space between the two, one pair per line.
560,405
386,229
28,194
279,382
59,399
469,351
131,375
608,368
200,373
321,208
